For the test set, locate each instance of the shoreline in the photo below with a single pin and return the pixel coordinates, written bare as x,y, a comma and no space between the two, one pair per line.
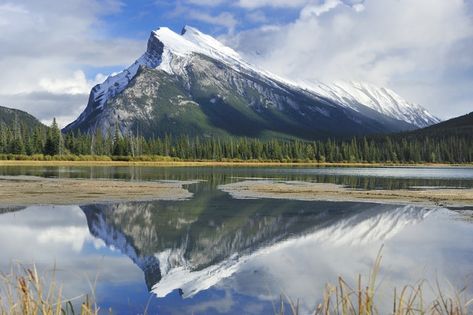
29,190
308,191
92,163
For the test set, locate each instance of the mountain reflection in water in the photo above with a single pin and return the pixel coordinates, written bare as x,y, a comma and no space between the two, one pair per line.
192,245
232,256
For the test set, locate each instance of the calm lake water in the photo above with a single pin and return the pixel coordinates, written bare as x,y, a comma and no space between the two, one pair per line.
213,254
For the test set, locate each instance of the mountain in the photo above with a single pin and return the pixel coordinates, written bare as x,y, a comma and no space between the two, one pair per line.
9,117
191,84
458,125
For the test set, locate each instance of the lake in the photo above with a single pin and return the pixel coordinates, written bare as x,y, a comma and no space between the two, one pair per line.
213,254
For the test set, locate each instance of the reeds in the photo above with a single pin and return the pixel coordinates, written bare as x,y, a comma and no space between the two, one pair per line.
343,299
24,292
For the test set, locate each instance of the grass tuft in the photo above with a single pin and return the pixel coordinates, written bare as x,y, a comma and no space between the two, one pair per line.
342,299
24,292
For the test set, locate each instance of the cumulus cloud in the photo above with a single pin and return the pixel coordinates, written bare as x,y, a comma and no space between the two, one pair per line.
45,45
76,84
224,19
318,9
257,16
406,45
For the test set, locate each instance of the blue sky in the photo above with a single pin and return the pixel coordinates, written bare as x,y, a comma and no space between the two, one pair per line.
52,52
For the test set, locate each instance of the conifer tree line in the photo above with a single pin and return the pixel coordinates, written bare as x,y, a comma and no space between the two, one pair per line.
408,148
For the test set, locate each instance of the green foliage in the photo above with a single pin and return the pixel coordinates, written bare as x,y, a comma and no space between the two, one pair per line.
417,147
54,144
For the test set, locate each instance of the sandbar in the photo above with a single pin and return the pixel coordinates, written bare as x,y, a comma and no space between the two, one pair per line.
298,190
29,190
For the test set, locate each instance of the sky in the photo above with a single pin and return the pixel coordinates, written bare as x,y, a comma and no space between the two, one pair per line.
52,52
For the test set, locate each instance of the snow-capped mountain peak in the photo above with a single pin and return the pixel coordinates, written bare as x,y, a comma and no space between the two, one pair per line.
210,45
174,42
173,53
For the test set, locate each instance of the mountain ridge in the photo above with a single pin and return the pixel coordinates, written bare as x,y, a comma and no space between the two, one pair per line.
200,70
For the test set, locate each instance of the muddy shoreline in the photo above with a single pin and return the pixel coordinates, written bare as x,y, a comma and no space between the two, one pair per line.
296,190
27,190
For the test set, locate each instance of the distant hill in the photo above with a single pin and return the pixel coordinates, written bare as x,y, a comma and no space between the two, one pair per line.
462,125
9,117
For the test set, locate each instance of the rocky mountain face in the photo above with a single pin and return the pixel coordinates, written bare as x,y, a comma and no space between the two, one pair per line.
191,84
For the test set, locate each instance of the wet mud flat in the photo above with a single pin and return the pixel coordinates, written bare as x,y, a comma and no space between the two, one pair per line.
28,190
298,190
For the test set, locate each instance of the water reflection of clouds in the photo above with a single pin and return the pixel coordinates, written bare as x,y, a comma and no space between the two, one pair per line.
424,251
57,240
416,246
56,230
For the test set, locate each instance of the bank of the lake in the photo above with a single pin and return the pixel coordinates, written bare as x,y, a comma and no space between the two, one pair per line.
168,162
30,190
297,190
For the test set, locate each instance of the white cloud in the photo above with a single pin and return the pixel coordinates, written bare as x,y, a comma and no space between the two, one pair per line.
385,42
76,84
257,17
252,4
45,45
319,9
45,105
224,19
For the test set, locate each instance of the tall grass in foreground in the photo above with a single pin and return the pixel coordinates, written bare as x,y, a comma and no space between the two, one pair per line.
343,299
24,292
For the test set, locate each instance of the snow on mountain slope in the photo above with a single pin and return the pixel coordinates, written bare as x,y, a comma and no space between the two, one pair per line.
172,53
382,100
347,94
210,46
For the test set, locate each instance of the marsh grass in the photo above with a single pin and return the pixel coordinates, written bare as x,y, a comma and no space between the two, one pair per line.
361,299
24,292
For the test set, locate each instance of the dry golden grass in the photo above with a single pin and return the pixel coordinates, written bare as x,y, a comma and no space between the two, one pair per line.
342,299
24,292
